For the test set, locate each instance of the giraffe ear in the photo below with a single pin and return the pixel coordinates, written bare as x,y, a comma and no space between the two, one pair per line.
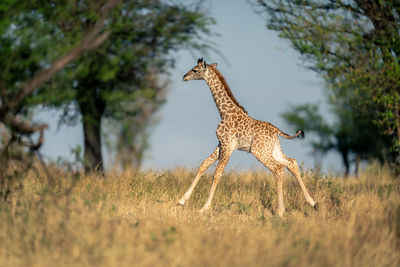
214,65
201,62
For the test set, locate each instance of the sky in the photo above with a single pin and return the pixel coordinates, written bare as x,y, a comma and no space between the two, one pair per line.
265,75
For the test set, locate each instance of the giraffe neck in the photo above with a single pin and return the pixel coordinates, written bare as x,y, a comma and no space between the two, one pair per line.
223,97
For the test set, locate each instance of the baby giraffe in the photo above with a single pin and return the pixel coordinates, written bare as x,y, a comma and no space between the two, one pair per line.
237,130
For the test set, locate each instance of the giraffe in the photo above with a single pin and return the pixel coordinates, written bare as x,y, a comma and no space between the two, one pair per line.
237,130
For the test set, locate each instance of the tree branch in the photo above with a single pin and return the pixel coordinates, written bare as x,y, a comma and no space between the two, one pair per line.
22,126
90,41
38,144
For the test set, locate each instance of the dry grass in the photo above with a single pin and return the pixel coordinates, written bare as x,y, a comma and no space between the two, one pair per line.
131,218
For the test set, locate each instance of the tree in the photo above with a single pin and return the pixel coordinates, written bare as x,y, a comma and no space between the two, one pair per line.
128,136
29,62
352,134
120,80
354,46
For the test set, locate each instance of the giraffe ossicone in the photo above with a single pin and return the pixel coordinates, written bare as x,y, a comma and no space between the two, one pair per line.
237,130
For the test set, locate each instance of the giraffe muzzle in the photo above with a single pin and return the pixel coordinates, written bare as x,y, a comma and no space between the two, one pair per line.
185,78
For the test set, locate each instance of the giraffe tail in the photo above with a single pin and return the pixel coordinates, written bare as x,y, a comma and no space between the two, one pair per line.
300,134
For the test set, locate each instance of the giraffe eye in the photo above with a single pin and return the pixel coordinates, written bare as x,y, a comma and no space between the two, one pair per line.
194,70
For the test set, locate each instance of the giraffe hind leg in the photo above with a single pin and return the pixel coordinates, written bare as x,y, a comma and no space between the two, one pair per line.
264,156
293,167
203,167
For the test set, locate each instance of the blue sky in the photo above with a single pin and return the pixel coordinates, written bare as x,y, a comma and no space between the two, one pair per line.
264,74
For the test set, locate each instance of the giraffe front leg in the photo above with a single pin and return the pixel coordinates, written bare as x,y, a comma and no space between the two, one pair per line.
224,158
263,153
203,167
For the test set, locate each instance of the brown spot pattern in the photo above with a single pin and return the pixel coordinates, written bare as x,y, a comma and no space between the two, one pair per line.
237,130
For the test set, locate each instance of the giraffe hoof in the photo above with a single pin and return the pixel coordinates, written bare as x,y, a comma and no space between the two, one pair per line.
280,214
181,203
316,206
203,210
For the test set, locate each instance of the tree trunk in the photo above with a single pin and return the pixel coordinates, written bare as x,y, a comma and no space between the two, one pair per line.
398,134
92,112
395,146
346,162
358,160
92,145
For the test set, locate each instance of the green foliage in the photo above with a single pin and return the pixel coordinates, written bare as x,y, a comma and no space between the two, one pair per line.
352,134
354,46
22,22
116,81
120,79
308,118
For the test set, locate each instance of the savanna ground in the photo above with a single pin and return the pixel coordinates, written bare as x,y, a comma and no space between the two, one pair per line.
131,219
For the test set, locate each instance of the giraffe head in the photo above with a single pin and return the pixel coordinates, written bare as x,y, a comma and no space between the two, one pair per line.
199,71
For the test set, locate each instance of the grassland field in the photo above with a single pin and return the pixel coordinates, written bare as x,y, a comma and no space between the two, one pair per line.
130,218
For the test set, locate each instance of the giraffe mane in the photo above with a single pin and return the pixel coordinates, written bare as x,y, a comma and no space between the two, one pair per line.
227,88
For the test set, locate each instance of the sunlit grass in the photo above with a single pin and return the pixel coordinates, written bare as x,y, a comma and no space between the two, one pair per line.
131,219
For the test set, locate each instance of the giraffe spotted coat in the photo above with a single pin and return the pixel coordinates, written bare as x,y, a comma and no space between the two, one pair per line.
237,130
